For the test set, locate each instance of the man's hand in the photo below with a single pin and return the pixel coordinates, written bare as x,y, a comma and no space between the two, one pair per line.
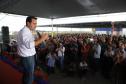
44,36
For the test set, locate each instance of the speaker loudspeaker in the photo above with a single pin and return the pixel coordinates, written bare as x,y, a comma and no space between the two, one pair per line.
5,35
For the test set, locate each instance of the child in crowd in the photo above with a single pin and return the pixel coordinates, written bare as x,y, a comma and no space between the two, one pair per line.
83,67
51,61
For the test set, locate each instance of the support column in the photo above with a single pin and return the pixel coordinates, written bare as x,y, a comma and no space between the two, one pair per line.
52,27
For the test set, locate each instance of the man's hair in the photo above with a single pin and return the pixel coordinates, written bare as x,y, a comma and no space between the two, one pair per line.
29,18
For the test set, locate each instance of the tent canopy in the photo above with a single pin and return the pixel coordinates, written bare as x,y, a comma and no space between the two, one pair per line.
121,24
61,8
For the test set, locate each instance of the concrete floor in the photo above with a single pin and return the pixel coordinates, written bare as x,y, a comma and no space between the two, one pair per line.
59,78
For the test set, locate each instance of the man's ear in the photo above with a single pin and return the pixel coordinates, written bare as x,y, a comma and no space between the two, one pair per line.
27,23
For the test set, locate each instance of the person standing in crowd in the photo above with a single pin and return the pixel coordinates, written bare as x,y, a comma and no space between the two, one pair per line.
26,48
51,57
60,52
97,53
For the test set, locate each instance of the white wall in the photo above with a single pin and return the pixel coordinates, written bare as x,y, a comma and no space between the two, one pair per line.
124,31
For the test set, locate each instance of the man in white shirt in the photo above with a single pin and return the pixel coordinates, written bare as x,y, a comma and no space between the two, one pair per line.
26,48
60,52
97,53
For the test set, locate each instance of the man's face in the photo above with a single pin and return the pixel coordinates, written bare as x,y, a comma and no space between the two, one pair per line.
32,25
